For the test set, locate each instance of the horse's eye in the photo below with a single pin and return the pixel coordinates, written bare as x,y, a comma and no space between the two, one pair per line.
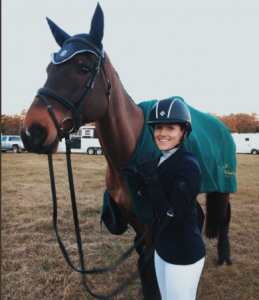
84,70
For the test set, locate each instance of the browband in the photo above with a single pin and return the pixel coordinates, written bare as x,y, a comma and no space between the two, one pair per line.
86,42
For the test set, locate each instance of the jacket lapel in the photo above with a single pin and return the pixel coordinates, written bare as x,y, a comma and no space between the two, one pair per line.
171,161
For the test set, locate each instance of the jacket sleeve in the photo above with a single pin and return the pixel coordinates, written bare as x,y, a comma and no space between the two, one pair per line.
186,187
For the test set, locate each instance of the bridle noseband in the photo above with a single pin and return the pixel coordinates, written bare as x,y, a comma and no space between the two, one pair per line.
76,105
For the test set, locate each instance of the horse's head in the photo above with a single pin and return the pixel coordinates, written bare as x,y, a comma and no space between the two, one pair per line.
67,99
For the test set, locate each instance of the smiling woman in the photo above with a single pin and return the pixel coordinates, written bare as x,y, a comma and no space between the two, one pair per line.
171,121
174,184
167,136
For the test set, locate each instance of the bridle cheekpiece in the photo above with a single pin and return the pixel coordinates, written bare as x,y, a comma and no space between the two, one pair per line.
78,103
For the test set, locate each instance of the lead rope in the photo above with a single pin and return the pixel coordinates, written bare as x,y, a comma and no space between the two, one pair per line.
78,236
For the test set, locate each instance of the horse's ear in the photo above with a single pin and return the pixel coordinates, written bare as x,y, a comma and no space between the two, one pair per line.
97,24
59,35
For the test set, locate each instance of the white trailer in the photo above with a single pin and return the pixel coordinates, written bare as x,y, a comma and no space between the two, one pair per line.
246,142
83,141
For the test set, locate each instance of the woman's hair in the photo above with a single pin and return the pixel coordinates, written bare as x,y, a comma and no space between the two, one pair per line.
182,125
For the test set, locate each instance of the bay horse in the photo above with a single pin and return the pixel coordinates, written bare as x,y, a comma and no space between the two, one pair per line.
118,120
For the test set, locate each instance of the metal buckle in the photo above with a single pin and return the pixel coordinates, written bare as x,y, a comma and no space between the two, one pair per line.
69,118
139,192
170,212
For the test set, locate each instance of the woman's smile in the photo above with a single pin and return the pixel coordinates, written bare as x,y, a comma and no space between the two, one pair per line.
167,136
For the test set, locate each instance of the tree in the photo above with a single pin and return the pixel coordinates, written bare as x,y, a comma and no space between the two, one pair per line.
240,123
23,114
10,125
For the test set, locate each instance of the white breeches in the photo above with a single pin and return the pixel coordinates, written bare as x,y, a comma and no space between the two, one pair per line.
178,282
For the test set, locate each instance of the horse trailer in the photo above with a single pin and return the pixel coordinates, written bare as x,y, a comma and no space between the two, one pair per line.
83,141
246,142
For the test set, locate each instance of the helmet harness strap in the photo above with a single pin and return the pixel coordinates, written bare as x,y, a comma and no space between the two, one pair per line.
183,139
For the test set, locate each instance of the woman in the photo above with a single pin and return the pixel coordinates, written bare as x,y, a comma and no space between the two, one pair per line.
174,183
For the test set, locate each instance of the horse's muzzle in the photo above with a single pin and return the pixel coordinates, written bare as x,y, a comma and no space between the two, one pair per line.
34,137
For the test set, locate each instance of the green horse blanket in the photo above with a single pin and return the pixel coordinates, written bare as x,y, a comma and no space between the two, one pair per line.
210,142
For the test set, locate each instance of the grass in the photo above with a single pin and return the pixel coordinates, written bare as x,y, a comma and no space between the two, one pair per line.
34,268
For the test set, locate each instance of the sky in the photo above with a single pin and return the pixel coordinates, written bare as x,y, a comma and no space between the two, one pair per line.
205,51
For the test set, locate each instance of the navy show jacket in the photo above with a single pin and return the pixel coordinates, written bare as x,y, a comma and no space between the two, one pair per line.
177,186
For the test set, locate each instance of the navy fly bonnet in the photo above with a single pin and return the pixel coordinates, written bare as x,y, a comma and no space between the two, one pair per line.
70,49
70,46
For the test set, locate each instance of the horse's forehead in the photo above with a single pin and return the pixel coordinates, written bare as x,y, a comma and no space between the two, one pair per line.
68,51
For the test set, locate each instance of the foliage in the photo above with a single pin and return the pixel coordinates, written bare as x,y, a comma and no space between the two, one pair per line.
240,123
10,125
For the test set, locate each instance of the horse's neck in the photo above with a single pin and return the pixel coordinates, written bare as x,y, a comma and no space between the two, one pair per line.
121,126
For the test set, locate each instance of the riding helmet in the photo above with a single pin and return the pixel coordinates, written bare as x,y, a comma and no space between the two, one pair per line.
172,111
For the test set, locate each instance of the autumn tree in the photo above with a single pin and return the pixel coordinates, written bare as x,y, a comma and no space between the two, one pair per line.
10,125
23,114
240,123
89,124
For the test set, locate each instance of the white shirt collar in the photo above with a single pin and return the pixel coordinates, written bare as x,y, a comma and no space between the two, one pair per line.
167,154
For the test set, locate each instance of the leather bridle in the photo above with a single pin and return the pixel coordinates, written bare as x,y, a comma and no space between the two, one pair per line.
78,103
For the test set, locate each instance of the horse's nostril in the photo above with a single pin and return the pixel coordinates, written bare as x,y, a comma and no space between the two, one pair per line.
36,135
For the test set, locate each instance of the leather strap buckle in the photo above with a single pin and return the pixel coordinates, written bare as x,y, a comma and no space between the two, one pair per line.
69,131
170,212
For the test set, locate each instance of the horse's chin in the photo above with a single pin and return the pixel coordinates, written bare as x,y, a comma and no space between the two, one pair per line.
44,149
53,147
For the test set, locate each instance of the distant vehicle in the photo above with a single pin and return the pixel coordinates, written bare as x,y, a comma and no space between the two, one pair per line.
246,142
12,142
83,141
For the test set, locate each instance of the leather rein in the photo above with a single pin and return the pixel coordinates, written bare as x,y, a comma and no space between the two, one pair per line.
76,106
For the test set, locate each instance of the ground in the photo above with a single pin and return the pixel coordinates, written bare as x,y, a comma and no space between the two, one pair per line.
34,268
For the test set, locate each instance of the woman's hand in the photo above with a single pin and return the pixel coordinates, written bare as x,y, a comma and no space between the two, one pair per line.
132,172
148,164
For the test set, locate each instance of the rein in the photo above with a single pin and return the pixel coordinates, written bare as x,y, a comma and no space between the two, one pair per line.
84,271
76,107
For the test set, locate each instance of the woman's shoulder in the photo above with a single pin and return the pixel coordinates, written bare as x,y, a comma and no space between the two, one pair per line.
181,161
188,157
188,162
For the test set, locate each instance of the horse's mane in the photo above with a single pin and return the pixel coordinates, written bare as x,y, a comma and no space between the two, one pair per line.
124,87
